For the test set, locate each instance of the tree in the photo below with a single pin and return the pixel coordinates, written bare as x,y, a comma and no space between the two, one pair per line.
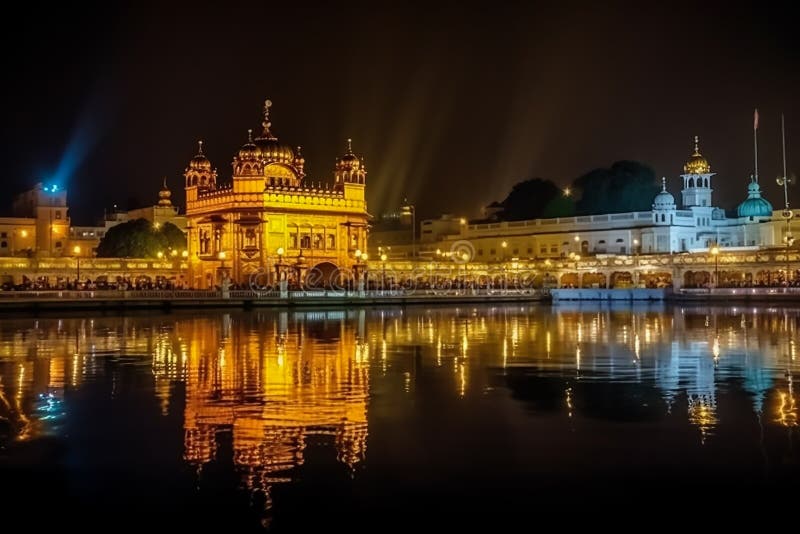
140,239
174,238
625,186
533,199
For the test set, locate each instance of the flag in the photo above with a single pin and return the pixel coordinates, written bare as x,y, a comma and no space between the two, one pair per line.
755,120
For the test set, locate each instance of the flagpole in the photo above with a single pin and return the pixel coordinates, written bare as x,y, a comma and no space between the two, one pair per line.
755,143
785,176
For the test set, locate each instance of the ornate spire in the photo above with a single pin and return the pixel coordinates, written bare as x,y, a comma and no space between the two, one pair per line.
200,147
164,195
267,134
250,135
349,146
664,183
696,146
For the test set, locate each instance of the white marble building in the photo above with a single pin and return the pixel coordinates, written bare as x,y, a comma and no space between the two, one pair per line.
666,228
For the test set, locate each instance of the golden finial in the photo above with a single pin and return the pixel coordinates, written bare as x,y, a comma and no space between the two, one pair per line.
266,124
696,145
165,183
200,147
349,146
250,135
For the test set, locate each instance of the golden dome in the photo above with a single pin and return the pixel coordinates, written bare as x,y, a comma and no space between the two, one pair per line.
249,150
697,164
164,195
273,151
200,162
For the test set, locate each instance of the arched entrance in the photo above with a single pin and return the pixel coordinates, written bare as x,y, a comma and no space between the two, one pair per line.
325,275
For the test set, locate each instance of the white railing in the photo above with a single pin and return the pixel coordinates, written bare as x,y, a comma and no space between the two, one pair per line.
731,291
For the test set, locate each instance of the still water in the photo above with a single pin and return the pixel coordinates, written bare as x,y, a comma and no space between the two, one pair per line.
278,419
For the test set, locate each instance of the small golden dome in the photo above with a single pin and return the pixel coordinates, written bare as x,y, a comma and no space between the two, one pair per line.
349,159
200,162
697,164
249,150
164,195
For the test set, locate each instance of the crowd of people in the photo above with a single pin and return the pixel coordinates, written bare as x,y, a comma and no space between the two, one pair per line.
118,284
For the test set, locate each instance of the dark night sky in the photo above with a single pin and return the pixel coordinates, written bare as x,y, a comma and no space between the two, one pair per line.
450,105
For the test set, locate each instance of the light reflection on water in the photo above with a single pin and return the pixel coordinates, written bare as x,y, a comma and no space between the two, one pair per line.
264,389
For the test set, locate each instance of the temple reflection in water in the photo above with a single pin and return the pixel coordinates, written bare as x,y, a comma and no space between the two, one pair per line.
269,381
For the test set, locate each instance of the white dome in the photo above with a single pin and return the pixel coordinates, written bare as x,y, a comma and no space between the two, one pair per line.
664,199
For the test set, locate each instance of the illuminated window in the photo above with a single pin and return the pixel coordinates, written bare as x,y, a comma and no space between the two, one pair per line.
331,241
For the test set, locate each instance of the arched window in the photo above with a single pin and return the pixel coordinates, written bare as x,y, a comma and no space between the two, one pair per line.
663,218
305,241
331,241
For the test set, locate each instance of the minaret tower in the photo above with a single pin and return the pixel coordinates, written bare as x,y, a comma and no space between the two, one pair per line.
349,169
696,179
199,175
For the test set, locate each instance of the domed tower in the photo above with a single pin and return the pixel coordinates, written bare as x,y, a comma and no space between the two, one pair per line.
664,205
349,169
247,162
755,208
696,179
198,174
277,159
164,196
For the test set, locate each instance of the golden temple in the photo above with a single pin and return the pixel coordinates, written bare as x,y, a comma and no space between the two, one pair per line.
269,216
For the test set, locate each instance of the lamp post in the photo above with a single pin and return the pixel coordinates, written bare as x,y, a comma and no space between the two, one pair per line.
221,255
383,271
409,209
504,246
77,251
283,283
787,214
715,252
465,259
577,243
